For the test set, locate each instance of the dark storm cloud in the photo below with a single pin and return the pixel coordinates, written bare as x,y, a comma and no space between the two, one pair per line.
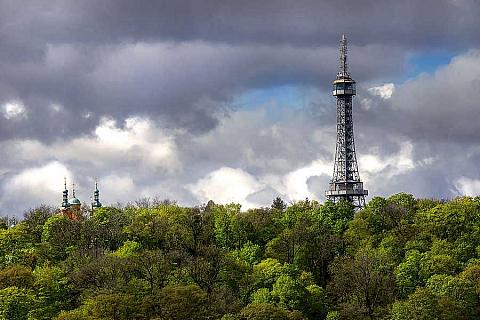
310,22
183,61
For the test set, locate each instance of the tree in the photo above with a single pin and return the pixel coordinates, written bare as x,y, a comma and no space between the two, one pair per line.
205,268
286,287
336,216
76,314
199,228
154,266
420,305
408,273
35,219
457,296
106,273
184,302
472,274
16,303
452,220
279,204
59,234
266,272
265,311
110,223
54,292
116,306
311,236
294,222
226,226
263,225
16,248
16,276
365,280
289,293
440,259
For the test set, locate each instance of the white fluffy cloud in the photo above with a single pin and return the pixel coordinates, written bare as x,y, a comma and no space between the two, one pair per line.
138,142
388,165
14,110
385,91
227,185
467,186
295,182
33,186
118,188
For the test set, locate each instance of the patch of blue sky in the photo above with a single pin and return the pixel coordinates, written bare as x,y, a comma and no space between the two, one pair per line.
274,100
279,97
426,62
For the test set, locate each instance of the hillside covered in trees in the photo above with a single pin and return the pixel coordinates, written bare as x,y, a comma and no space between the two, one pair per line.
399,258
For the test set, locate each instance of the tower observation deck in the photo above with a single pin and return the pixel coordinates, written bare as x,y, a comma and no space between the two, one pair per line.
345,183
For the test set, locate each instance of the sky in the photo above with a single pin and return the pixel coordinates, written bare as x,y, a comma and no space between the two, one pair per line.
230,100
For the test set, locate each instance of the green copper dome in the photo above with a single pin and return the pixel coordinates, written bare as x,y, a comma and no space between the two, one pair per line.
74,201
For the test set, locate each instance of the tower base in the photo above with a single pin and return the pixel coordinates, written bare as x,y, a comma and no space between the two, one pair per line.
351,191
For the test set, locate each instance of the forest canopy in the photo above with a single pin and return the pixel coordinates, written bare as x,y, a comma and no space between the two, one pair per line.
398,258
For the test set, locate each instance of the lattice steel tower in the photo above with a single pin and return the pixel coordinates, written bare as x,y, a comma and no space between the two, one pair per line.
345,183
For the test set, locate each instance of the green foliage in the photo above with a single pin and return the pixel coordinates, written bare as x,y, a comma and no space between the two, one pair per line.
16,246
184,302
421,305
266,272
16,303
249,253
408,272
128,249
112,306
228,227
398,258
364,282
333,315
455,293
288,292
265,311
16,276
53,292
108,227
59,235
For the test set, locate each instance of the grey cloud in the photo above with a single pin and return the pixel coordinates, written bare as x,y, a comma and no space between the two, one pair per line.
438,108
287,21
185,85
87,56
264,197
184,65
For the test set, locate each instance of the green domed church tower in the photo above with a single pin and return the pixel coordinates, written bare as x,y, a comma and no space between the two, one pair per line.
96,197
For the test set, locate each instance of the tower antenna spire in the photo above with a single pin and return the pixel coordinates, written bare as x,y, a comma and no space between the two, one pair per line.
343,72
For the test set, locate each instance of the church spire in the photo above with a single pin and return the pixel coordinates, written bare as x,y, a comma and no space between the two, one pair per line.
65,194
96,196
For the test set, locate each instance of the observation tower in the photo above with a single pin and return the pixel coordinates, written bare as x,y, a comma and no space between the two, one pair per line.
345,183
